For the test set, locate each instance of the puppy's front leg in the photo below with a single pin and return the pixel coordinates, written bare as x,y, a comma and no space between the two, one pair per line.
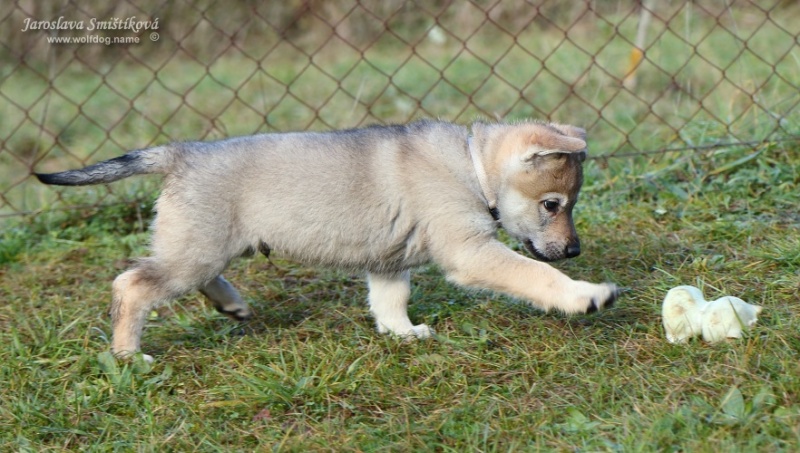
388,302
492,265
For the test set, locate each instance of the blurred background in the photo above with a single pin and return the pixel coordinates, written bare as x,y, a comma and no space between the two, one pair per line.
654,83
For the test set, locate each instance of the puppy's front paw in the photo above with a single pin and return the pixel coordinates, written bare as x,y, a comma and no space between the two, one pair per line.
412,332
606,298
422,331
589,297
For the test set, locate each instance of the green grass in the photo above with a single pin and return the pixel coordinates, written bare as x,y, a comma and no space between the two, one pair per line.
310,373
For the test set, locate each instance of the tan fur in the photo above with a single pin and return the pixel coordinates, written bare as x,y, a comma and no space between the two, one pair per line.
379,199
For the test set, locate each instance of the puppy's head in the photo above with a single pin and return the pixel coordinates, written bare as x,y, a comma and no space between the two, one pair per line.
538,173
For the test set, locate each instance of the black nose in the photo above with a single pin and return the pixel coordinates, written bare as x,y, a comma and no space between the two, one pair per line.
573,249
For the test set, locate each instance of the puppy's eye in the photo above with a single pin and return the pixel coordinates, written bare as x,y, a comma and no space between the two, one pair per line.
550,205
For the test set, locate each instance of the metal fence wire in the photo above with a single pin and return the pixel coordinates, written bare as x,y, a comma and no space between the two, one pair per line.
83,81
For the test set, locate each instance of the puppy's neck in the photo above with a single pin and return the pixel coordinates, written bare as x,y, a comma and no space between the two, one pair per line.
483,178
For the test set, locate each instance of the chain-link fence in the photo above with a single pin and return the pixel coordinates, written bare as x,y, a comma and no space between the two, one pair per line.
81,81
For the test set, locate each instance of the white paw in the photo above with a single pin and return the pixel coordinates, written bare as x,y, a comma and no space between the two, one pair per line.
382,329
422,331
587,297
411,332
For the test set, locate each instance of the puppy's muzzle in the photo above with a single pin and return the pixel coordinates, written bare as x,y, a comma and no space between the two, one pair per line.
572,249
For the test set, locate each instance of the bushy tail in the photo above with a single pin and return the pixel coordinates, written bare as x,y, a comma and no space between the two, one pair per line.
143,161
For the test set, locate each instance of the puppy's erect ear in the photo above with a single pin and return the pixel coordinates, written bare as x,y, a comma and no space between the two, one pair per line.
556,139
572,131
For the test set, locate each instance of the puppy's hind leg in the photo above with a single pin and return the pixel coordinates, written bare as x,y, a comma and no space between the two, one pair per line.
155,282
136,292
388,302
226,299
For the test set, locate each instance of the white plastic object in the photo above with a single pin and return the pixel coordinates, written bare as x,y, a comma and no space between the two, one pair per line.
686,313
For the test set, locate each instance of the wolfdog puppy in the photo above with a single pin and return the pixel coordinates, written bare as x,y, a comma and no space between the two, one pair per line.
380,199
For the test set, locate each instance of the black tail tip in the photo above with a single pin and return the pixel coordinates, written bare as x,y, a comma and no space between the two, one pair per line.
46,178
66,178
